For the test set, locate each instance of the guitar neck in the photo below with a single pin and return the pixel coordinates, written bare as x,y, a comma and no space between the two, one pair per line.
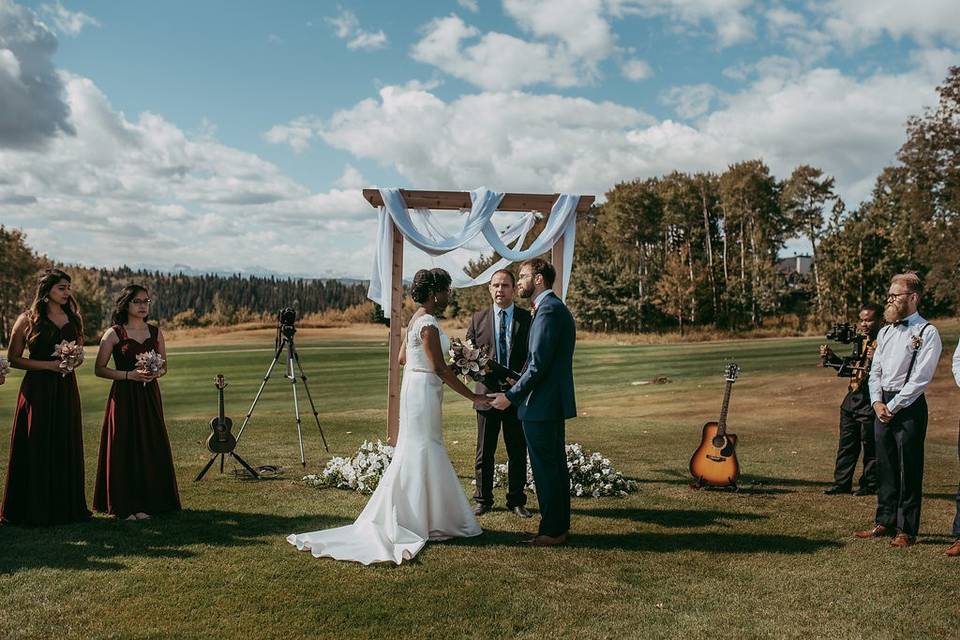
722,428
221,407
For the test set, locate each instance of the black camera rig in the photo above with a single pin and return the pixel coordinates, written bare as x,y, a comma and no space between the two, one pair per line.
856,362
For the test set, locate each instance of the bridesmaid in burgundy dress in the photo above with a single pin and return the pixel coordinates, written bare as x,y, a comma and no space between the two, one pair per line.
135,477
45,475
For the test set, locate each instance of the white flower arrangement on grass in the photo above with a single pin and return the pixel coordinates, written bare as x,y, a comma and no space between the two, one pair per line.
4,367
360,473
591,475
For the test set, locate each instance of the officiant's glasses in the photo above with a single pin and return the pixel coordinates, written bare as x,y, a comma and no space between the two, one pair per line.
286,328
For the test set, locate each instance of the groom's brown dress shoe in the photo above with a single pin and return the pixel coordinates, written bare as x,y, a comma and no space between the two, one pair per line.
902,541
549,541
954,549
878,531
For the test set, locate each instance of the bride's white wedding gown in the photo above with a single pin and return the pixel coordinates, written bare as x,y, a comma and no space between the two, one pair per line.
419,497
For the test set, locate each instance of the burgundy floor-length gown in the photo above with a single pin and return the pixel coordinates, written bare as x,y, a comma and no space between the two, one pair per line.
135,471
45,482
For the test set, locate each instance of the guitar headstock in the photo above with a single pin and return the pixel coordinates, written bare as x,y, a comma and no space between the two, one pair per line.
731,371
220,382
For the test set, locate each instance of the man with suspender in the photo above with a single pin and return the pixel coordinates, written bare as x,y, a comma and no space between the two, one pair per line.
903,365
954,550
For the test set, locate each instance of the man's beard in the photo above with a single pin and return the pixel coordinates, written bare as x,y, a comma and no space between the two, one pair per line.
891,313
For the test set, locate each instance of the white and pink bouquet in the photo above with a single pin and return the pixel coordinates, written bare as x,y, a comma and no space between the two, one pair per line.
150,363
467,359
4,367
70,354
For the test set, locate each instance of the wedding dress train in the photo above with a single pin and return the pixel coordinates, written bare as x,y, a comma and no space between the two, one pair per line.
419,497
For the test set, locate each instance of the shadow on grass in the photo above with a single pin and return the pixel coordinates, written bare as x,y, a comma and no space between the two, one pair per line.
721,543
674,518
101,544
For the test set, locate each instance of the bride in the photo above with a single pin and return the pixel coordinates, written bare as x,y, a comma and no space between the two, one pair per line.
419,497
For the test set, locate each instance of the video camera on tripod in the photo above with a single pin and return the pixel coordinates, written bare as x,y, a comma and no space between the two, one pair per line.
848,366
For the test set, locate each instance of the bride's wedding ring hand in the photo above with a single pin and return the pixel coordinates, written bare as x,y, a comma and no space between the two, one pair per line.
498,401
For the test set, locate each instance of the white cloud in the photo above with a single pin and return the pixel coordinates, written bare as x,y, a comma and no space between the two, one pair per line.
351,179
496,61
729,18
858,23
297,134
469,5
579,24
32,108
347,27
690,101
66,21
636,70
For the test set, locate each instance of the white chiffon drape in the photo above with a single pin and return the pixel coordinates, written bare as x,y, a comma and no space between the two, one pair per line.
419,497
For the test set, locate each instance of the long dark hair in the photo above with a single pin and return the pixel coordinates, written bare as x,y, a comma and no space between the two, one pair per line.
37,313
120,313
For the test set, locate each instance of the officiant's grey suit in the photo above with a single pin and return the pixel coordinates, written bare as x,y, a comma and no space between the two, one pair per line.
544,396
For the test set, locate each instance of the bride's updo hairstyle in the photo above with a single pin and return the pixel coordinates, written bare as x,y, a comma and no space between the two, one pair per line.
429,282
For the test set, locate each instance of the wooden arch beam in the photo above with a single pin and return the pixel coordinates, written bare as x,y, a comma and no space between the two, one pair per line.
450,201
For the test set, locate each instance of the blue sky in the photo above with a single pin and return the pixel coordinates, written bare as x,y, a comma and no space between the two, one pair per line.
236,135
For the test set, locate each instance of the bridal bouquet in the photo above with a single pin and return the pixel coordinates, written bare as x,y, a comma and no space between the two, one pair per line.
150,363
467,359
4,367
361,473
70,354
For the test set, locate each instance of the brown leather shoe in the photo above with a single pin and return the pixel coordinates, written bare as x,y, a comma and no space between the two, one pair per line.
878,531
954,549
548,541
902,541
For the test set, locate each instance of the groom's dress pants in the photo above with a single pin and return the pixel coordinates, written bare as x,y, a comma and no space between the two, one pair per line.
548,457
489,425
956,519
900,466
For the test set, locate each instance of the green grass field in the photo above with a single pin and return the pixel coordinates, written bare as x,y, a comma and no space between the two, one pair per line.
775,560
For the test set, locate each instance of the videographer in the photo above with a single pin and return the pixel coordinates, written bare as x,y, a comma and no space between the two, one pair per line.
856,410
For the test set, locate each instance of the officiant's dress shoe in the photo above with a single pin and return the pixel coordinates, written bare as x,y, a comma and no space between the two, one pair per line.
865,492
837,490
481,509
878,531
549,541
954,550
521,512
902,541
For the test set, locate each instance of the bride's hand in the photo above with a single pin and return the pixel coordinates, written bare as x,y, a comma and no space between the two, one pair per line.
482,401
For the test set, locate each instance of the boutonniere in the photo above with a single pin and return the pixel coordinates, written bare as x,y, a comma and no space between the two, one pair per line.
917,341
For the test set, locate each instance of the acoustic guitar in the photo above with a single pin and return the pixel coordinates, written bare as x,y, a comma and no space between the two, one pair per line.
714,463
220,439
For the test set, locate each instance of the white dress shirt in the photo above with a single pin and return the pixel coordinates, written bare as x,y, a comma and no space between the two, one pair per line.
956,364
540,297
892,359
496,328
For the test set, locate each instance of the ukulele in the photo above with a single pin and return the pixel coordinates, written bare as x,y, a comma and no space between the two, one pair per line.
220,439
714,462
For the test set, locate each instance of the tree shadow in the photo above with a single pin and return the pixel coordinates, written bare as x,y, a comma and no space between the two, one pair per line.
672,518
668,542
100,543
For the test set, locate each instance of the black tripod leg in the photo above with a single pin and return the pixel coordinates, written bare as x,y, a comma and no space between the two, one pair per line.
205,468
313,407
221,463
266,378
246,466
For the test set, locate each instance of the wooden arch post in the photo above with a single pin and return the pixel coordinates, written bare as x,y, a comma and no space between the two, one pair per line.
449,201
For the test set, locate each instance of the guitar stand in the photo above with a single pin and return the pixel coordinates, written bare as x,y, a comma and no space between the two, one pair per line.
203,472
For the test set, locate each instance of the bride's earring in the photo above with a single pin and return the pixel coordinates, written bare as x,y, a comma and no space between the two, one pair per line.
46,299
434,299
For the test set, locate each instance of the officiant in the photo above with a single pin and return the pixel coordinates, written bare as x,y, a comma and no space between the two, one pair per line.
504,329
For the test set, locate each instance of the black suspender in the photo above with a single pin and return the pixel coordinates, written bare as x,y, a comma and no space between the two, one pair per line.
913,359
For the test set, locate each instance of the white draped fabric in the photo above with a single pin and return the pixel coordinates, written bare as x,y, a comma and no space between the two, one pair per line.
454,252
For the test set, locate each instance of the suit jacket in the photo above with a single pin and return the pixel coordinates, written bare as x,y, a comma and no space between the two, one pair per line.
545,390
481,331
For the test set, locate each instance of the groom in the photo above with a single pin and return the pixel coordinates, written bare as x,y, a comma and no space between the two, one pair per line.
545,399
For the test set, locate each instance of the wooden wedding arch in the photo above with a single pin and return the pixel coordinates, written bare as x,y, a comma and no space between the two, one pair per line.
448,201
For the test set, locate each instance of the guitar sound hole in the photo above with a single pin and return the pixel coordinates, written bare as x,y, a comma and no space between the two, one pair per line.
719,442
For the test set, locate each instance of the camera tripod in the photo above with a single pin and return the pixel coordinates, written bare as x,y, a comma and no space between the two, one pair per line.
284,342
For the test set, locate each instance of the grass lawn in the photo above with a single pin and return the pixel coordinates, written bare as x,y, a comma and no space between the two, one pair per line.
775,560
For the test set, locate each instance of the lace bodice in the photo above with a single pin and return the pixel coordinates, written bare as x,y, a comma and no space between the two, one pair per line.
417,359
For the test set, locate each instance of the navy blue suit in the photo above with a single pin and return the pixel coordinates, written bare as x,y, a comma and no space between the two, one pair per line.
544,397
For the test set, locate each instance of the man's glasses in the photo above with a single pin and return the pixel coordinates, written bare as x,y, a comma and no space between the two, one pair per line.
141,301
893,296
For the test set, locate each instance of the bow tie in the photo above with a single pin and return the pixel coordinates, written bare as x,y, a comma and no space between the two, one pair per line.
900,323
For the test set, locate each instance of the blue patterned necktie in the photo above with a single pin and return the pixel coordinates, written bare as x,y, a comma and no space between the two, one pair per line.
502,342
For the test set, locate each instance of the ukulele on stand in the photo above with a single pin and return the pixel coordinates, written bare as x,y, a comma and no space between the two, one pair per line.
714,463
221,442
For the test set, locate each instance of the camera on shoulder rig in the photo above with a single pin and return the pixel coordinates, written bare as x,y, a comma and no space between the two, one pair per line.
845,333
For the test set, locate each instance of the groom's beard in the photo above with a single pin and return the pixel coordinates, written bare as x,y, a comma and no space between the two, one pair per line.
892,313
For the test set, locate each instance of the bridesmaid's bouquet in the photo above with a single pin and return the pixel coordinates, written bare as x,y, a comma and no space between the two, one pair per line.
467,359
4,367
70,354
150,363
